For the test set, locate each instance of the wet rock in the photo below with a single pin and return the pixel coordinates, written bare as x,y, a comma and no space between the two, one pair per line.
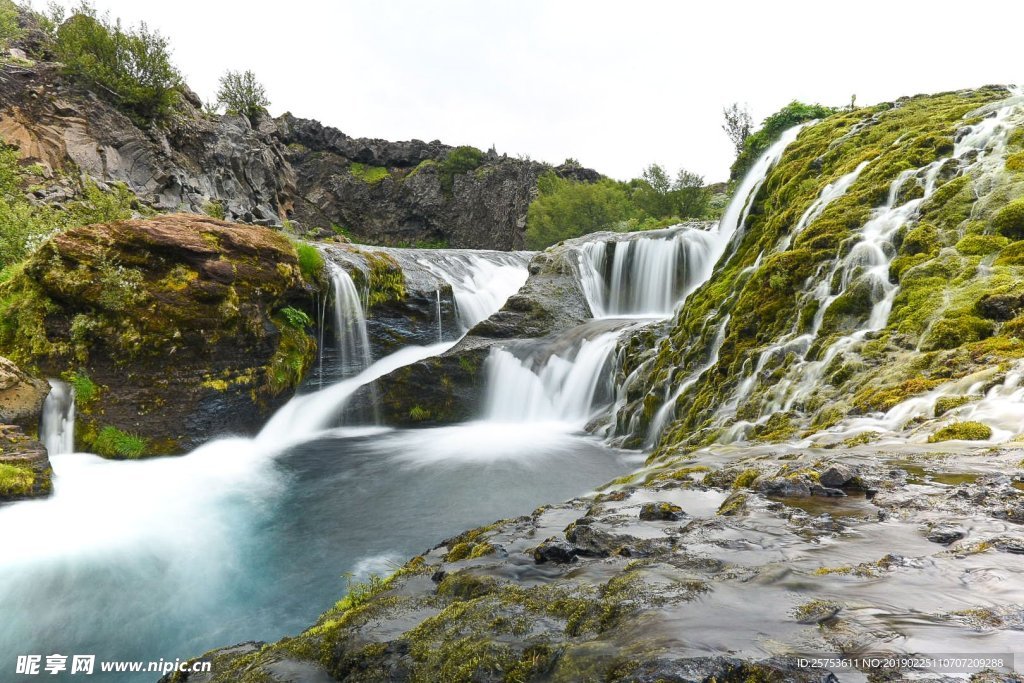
816,611
1009,544
944,535
24,466
725,669
651,512
557,552
21,396
785,487
827,492
836,476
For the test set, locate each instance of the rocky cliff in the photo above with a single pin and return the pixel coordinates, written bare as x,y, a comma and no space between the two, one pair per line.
267,171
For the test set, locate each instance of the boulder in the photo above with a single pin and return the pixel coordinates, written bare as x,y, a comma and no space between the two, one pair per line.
24,466
171,328
21,396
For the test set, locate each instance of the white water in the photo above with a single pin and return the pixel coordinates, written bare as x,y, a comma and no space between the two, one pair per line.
57,426
562,389
351,338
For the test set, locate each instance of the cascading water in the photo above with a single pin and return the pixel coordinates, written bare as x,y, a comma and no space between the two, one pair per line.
562,387
57,428
351,338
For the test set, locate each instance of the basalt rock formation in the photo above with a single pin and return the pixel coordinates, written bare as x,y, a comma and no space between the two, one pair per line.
171,329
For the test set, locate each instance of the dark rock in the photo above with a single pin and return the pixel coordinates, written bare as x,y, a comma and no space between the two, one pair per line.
836,476
557,552
944,535
827,492
31,474
724,670
1009,544
1000,306
651,512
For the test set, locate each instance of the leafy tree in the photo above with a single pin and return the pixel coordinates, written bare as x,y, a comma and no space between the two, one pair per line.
10,29
241,94
690,198
773,127
458,161
652,193
738,124
131,65
565,208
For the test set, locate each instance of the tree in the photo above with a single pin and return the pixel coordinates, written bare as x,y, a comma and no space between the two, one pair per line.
738,125
652,193
241,94
566,208
133,66
689,196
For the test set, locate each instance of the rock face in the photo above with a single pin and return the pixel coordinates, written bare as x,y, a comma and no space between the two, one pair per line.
21,396
170,329
190,164
395,192
267,171
24,466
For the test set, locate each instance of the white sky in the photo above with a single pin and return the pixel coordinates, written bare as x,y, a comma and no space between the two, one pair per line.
617,85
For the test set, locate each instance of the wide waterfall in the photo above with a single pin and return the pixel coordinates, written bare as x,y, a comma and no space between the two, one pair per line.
57,427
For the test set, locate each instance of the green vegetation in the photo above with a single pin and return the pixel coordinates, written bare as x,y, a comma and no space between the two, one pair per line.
16,480
566,208
85,389
10,30
130,65
311,261
944,404
458,161
292,358
966,431
241,94
111,442
296,318
1009,221
24,225
215,209
371,175
755,144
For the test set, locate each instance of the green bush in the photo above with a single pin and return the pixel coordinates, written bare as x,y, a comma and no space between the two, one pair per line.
241,94
296,318
10,30
111,442
458,161
565,208
773,127
132,66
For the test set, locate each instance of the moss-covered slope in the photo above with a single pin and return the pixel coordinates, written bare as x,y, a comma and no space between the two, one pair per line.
170,329
797,293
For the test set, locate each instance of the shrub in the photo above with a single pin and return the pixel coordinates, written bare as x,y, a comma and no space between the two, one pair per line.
215,209
111,442
459,160
241,94
133,66
962,431
1009,221
773,127
10,29
296,318
565,208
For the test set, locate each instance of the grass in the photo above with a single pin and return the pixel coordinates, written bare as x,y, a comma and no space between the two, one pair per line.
111,442
371,175
311,261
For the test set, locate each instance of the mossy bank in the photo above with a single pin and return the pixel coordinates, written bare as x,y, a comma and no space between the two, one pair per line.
171,329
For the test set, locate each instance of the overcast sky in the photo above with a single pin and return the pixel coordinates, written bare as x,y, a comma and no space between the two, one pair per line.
616,85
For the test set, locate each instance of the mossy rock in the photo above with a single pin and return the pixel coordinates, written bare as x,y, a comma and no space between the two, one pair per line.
963,431
1009,221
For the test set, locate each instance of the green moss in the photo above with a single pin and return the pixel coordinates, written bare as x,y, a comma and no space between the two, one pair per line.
111,442
733,505
779,427
860,439
1011,255
296,350
957,330
745,478
418,414
85,389
881,399
944,404
966,431
1009,220
311,261
981,245
1015,162
371,175
16,480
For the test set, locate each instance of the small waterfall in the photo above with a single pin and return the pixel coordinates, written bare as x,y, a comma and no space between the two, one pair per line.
558,388
351,338
57,427
646,276
437,313
481,281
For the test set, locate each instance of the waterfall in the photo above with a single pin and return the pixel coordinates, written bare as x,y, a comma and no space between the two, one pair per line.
480,281
57,426
562,387
351,339
646,276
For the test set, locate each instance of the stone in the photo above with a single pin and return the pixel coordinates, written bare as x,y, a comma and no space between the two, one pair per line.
661,512
24,466
836,476
1009,544
554,551
21,396
945,534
